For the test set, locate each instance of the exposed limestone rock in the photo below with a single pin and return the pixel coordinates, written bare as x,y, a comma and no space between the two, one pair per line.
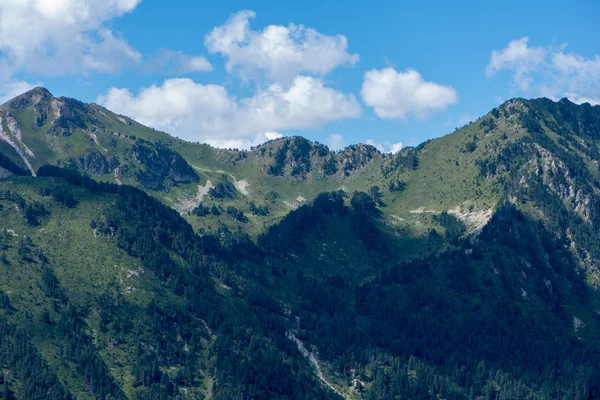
4,136
15,130
187,204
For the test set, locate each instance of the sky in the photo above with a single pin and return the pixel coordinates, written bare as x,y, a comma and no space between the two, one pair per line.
235,74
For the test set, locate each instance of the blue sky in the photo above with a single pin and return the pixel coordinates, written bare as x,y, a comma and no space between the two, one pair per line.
235,73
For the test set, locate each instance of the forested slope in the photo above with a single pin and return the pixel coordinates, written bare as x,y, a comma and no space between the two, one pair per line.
463,268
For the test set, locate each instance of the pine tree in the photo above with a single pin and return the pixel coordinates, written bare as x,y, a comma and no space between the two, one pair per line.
5,390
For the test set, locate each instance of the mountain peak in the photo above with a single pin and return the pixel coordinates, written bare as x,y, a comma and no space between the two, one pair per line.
492,226
38,90
36,94
33,96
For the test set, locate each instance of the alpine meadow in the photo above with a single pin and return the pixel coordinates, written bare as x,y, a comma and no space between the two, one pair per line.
169,242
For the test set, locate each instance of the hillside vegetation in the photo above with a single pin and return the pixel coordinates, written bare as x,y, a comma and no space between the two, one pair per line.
135,265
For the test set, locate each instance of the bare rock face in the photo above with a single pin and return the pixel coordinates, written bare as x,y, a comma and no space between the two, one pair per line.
94,162
30,99
297,158
71,116
38,100
161,167
357,157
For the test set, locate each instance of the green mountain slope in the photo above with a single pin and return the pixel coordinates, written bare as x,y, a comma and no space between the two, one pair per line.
120,299
38,129
463,268
508,308
266,182
276,177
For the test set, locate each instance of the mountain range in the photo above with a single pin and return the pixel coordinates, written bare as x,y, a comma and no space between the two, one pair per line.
135,265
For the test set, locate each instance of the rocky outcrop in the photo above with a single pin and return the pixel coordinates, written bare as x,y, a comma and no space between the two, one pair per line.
291,157
17,145
357,157
161,168
296,157
94,163
29,99
71,116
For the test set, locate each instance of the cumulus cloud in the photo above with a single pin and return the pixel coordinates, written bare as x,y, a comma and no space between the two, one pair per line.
231,143
208,113
282,52
9,86
335,141
549,71
60,37
519,58
396,147
244,142
65,37
12,88
272,135
176,62
394,94
386,147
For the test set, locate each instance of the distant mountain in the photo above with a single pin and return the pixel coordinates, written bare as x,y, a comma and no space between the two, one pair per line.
136,265
38,129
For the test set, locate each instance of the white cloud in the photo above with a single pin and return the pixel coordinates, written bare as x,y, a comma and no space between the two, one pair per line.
575,98
9,86
282,52
198,63
575,77
11,89
273,135
244,142
549,71
335,141
72,37
108,55
210,114
519,58
386,147
399,95
59,37
228,143
396,147
179,106
176,62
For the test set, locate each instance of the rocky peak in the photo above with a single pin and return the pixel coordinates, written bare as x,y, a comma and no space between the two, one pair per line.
357,156
294,156
28,99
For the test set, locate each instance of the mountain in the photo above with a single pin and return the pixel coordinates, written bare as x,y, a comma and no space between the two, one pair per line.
38,129
137,265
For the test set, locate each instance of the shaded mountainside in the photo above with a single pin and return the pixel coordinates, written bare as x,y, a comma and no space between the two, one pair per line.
463,268
498,317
